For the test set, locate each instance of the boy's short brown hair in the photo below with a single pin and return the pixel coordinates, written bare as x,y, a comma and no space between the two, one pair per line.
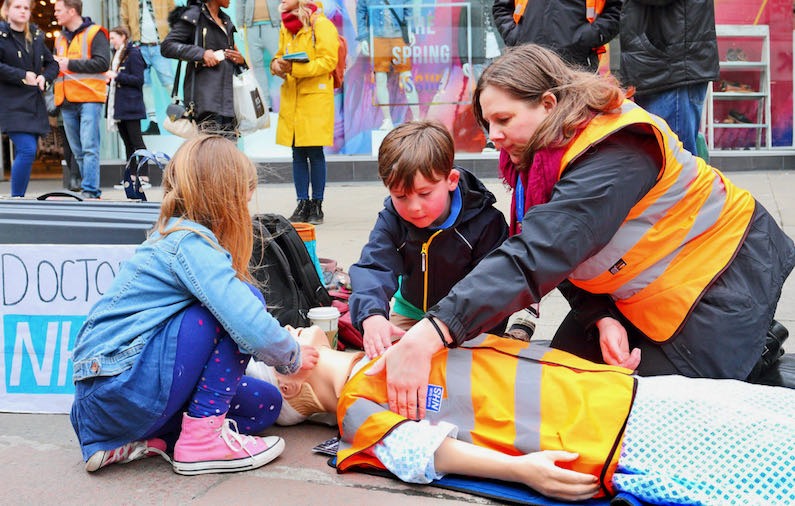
415,146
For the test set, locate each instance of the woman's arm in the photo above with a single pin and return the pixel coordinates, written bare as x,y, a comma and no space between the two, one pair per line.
178,44
49,65
326,52
10,73
133,75
536,470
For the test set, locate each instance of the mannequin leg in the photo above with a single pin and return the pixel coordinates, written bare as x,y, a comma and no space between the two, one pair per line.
411,94
382,96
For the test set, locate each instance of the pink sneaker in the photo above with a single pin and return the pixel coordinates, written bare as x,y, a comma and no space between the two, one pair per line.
124,454
213,445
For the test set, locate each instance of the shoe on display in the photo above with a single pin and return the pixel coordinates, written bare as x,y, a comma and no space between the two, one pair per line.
152,129
735,87
736,54
740,117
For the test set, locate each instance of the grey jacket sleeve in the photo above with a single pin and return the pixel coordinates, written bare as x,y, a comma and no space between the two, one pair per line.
588,205
100,57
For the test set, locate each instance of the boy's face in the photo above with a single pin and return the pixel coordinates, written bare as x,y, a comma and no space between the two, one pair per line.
429,202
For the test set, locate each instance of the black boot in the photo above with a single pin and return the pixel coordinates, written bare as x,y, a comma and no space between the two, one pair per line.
152,129
301,211
315,212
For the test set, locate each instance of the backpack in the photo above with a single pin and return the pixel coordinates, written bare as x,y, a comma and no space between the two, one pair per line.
338,74
284,271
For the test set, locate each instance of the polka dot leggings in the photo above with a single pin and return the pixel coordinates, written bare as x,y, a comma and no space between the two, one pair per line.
208,379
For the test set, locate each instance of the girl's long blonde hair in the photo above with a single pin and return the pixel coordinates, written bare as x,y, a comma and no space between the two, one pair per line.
209,181
303,12
4,17
527,72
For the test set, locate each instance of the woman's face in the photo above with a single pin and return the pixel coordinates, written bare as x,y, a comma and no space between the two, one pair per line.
19,12
512,122
289,5
117,40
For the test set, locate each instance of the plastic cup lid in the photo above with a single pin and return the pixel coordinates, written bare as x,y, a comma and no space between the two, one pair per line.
324,313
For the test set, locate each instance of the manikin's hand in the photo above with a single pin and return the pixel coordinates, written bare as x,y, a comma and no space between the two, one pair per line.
412,38
466,69
408,365
364,48
378,332
614,343
539,471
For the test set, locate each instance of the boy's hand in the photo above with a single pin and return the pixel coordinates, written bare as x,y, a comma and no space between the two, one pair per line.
309,358
378,332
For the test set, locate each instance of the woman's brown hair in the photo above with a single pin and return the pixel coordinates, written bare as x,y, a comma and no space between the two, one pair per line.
125,32
527,72
209,181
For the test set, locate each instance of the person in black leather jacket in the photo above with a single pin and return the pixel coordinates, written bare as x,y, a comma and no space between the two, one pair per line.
669,53
437,224
559,25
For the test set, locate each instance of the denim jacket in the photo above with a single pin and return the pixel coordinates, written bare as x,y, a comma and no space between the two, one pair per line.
384,21
165,276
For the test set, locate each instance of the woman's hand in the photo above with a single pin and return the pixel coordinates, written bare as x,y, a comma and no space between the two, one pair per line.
209,58
234,56
110,75
378,332
281,67
538,471
614,343
408,365
30,78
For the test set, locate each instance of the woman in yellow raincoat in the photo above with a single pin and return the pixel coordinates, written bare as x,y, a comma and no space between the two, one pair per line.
306,112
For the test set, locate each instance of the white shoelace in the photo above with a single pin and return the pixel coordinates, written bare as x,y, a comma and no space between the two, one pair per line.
230,435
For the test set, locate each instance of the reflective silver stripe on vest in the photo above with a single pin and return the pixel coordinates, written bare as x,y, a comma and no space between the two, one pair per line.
590,13
631,232
356,414
709,214
527,405
457,405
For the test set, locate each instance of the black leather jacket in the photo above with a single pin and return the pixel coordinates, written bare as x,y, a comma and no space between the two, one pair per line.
667,44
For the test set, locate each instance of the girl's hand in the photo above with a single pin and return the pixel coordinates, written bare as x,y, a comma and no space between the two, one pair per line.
234,55
209,58
41,82
30,78
281,67
309,358
378,332
538,471
614,343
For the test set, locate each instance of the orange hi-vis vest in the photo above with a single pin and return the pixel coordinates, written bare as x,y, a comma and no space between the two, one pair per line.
674,242
510,396
77,87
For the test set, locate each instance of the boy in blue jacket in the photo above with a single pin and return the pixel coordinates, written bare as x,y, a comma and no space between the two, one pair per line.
437,224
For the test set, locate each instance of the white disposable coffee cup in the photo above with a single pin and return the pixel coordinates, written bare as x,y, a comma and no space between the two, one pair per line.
327,318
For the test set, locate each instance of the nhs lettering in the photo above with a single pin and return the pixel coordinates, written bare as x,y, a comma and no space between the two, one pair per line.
46,292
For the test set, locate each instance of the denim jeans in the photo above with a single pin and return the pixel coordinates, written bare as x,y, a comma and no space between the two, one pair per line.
25,145
81,122
264,38
681,109
165,74
309,160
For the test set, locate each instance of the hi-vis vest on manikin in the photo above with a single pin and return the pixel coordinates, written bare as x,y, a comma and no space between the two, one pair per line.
510,396
675,242
77,87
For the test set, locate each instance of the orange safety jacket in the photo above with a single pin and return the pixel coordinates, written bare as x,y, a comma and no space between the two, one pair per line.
592,10
510,396
77,87
674,242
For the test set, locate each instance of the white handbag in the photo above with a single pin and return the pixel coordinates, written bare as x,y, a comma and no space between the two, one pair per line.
250,109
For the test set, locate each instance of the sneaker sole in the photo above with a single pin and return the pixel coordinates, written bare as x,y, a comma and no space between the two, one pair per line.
95,461
229,466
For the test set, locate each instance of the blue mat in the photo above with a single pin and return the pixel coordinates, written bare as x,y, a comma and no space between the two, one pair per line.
503,490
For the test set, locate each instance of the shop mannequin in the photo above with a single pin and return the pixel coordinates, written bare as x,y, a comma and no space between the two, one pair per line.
148,24
386,25
261,21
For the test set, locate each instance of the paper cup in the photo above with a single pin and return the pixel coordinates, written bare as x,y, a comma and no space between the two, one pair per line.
327,319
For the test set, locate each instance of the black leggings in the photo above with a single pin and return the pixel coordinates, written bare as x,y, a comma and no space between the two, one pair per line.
130,131
572,337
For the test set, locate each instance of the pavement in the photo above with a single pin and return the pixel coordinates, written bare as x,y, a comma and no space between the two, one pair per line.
39,457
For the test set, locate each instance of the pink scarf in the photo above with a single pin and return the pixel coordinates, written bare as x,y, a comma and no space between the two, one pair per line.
537,181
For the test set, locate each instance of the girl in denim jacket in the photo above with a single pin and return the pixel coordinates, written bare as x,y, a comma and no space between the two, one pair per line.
161,356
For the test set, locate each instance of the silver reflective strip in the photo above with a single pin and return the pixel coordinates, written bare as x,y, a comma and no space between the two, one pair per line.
590,12
356,414
457,406
534,351
84,46
518,8
77,76
632,231
527,406
707,216
475,341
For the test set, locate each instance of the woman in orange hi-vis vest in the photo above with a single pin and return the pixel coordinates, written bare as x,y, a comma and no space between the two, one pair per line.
566,427
668,266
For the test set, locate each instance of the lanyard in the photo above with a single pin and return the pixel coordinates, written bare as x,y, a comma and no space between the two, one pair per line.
519,199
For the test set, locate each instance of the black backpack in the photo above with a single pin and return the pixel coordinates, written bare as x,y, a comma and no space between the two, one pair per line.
281,265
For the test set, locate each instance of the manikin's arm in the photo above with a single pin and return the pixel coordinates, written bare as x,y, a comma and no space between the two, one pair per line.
536,470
